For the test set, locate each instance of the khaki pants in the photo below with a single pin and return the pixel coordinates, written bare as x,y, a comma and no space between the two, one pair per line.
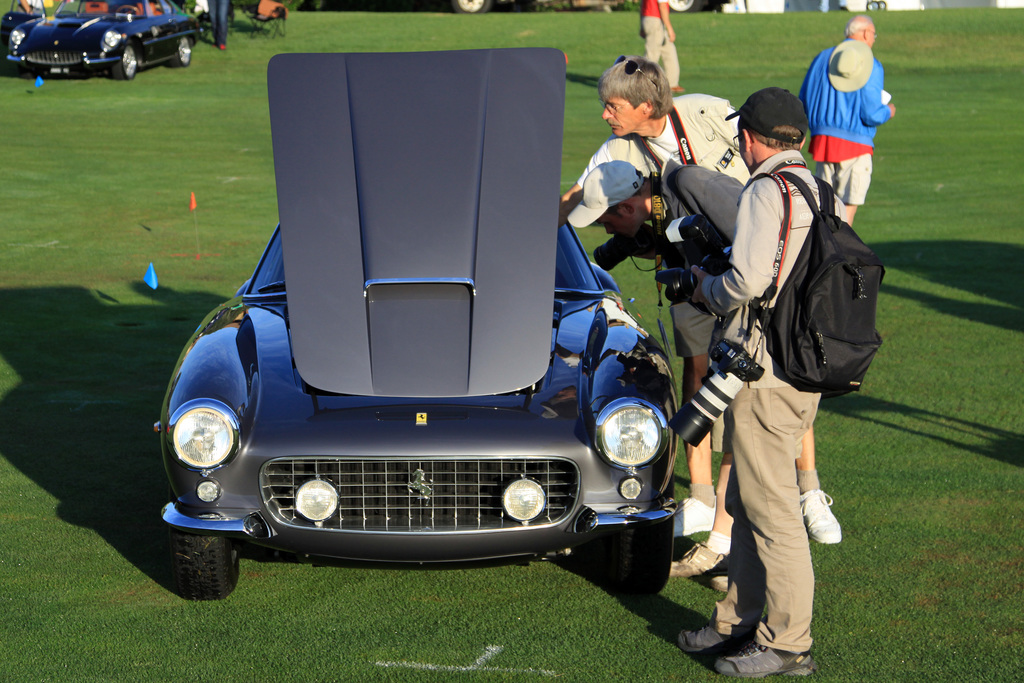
770,564
657,46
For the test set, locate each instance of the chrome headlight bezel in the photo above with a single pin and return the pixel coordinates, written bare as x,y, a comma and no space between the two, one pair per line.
622,414
15,39
110,40
225,439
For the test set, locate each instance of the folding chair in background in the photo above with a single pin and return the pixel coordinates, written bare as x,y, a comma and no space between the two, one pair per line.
267,17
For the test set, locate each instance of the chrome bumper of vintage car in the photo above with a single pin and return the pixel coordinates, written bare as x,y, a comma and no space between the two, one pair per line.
254,526
589,520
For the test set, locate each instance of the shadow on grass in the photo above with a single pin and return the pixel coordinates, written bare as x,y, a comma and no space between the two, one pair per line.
970,437
664,617
987,269
89,378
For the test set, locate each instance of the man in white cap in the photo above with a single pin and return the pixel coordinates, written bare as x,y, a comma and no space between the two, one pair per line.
621,199
845,103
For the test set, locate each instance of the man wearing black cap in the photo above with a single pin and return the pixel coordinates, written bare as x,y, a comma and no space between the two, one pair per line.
762,625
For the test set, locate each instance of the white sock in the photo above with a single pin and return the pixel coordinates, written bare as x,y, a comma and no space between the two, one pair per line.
719,543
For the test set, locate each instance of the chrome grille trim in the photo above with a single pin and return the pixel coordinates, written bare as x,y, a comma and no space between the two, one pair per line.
380,494
54,57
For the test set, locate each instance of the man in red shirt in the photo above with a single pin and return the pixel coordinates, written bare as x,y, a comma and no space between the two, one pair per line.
660,39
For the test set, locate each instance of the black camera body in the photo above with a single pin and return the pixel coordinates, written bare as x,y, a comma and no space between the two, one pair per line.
702,244
731,366
619,247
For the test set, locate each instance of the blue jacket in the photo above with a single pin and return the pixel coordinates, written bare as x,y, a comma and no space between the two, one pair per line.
851,116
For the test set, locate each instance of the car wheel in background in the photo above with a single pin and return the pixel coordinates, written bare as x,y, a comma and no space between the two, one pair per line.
183,55
204,567
472,6
124,70
687,5
640,558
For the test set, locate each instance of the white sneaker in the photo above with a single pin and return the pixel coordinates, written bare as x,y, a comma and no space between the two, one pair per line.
822,525
693,517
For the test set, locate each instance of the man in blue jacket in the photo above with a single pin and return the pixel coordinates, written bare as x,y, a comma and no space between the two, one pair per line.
845,103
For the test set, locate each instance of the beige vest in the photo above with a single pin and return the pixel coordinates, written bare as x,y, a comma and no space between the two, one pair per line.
712,139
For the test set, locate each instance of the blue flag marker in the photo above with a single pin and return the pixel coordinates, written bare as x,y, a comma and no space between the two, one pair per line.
39,81
150,277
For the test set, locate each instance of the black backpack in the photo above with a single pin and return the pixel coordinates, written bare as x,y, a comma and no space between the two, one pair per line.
821,332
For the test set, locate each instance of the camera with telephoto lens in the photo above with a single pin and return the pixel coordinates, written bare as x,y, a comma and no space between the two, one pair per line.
701,243
731,366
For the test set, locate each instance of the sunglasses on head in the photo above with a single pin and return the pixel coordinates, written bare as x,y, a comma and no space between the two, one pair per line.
631,67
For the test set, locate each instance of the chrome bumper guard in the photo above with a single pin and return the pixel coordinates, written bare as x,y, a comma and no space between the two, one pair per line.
588,520
250,526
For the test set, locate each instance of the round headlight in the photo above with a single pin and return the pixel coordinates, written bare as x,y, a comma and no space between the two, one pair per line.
316,500
630,488
111,39
204,434
631,432
524,499
14,40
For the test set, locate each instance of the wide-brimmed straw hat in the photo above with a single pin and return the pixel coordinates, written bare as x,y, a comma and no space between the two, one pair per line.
850,65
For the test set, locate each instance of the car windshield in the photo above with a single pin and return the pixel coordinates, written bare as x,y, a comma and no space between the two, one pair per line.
140,8
34,7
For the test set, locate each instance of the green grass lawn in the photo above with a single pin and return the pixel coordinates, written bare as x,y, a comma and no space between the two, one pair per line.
925,464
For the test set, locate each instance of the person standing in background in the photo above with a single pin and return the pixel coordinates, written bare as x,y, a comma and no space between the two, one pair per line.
845,103
219,22
660,39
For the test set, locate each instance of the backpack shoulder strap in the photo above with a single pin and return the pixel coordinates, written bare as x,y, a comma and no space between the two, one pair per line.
784,229
826,197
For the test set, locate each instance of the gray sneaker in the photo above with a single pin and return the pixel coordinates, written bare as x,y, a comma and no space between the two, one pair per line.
757,661
700,559
708,641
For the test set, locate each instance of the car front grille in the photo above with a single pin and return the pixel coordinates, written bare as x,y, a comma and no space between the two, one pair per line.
417,495
54,57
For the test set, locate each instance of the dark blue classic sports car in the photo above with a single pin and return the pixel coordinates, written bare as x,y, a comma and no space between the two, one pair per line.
421,370
86,36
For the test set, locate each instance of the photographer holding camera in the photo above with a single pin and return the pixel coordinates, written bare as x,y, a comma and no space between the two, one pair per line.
642,215
767,610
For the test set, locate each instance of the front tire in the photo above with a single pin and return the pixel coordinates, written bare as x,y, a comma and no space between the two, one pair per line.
640,558
472,6
204,567
126,68
183,55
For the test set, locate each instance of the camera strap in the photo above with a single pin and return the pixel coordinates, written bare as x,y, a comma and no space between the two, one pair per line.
683,142
658,213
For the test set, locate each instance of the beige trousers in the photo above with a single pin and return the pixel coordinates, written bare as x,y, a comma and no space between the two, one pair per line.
770,570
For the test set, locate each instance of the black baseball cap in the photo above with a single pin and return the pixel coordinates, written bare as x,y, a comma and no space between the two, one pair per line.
771,107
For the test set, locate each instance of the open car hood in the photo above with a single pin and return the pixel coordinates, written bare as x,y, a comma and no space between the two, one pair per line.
418,201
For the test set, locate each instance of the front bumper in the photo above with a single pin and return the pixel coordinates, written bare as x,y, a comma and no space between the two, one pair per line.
416,547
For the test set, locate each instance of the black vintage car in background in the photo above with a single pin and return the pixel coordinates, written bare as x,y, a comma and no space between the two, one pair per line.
20,12
422,369
119,37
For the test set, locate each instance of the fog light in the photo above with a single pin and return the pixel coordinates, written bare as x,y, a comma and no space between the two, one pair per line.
524,500
630,488
316,500
208,490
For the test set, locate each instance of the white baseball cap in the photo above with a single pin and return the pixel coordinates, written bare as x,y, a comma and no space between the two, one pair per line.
604,187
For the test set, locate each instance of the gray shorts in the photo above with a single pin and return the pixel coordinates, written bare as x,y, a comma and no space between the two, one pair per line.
692,329
850,179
